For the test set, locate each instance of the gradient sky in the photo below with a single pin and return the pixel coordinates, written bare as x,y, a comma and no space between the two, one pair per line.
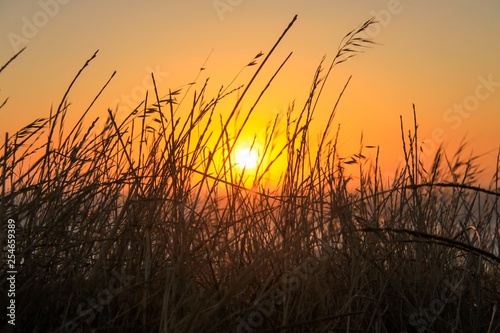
444,56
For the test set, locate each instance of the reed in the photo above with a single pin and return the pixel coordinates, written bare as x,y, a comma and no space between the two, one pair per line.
145,225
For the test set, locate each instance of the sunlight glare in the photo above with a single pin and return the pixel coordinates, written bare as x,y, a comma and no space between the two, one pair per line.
246,158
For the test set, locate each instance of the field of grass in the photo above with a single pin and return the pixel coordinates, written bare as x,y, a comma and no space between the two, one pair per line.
144,225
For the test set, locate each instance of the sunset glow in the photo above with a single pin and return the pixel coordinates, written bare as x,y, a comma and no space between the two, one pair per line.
246,158
189,159
445,71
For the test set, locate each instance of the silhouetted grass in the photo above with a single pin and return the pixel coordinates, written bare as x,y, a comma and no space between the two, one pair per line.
143,225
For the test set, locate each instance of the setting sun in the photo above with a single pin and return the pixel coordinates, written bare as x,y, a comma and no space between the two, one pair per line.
246,158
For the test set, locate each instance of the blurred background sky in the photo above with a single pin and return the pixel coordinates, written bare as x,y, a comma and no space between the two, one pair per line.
443,56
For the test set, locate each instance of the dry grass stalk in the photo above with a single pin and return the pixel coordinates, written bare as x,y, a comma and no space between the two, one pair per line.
146,198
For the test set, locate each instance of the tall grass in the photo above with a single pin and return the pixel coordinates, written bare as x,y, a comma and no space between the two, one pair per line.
155,199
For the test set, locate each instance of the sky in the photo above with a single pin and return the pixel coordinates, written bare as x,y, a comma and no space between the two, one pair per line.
442,56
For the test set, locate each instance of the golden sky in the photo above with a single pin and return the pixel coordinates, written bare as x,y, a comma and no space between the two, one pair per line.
441,55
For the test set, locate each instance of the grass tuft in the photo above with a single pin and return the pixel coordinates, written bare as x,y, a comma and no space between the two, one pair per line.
145,225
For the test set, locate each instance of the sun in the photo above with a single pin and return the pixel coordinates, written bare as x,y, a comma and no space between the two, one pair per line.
246,158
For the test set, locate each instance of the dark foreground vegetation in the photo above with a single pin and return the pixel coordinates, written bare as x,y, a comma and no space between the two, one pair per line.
142,225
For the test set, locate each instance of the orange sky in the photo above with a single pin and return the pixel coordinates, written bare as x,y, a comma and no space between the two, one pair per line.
442,56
